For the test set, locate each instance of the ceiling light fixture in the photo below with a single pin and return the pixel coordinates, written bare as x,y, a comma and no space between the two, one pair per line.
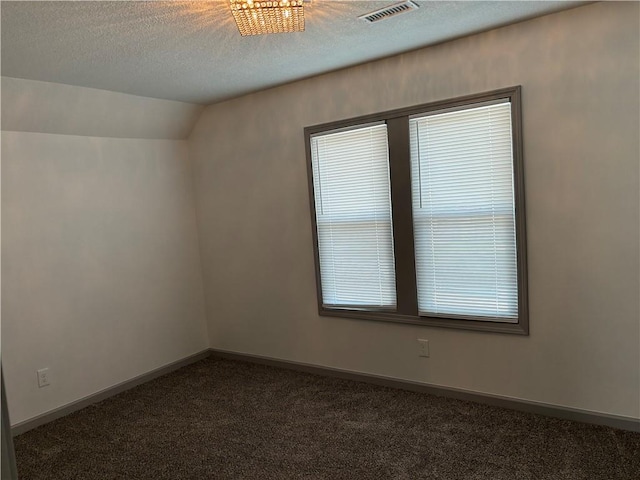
258,17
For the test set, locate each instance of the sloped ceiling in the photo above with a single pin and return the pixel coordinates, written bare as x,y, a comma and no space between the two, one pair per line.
192,51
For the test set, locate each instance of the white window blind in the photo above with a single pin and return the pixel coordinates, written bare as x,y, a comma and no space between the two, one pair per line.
463,210
353,215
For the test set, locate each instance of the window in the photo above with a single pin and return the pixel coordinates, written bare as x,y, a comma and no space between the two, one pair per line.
353,218
418,214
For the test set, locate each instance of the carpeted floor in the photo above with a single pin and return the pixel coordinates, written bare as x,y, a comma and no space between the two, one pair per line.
220,419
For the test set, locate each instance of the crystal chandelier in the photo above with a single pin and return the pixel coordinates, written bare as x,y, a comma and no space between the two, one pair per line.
256,17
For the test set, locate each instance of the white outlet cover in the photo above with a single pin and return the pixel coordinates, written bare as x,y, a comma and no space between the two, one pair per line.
424,347
43,377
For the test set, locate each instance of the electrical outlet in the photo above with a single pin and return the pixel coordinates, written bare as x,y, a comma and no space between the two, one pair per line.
43,377
424,347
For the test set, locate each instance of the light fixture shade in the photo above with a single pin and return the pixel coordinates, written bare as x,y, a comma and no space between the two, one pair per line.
257,18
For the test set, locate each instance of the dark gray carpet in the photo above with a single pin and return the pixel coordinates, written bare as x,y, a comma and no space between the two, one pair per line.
223,419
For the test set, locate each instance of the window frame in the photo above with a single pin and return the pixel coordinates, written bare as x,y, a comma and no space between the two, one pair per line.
402,215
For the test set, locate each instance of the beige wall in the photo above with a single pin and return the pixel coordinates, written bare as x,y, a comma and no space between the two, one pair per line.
101,278
579,71
45,107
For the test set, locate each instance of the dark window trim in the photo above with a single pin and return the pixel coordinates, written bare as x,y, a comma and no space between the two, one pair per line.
400,174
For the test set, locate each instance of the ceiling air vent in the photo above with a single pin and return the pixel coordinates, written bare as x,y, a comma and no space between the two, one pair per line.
389,11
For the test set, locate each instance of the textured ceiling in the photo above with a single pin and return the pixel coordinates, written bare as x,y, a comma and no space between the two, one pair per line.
192,51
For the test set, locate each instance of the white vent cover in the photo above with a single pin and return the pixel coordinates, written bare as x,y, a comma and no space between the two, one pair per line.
388,11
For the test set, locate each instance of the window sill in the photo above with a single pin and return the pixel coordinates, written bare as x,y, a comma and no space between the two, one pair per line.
474,325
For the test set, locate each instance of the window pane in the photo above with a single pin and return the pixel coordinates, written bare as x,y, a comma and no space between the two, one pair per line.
353,214
463,210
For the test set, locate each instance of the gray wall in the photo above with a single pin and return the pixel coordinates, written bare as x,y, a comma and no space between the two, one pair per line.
579,70
101,278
